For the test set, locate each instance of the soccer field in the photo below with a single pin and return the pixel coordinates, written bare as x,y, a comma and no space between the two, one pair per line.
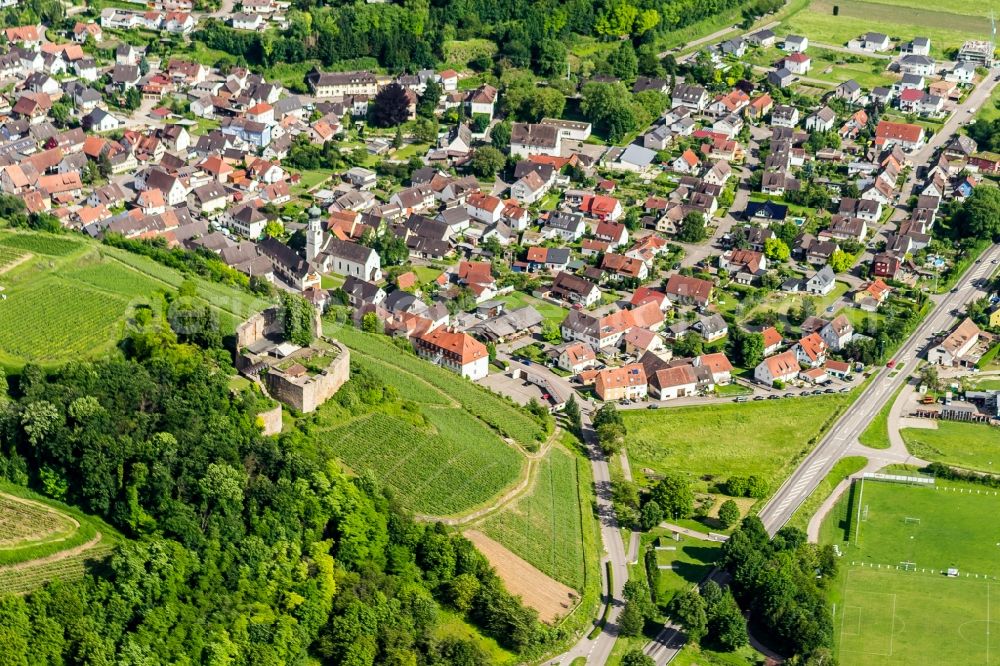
894,603
892,617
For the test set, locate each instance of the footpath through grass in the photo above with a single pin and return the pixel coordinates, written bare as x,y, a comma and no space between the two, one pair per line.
970,445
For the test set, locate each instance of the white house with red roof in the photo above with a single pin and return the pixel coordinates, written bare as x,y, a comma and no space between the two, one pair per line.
459,352
797,63
905,135
783,367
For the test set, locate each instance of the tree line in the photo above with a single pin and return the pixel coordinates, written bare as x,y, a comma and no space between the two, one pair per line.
413,34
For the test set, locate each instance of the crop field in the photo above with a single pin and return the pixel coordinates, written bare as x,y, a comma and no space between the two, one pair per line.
450,466
48,322
893,604
53,246
8,255
544,525
942,23
500,414
409,386
971,445
41,540
70,300
761,438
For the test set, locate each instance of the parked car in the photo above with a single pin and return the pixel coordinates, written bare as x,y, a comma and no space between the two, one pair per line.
758,397
653,406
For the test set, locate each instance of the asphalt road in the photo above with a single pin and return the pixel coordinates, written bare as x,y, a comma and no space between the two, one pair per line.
846,430
598,650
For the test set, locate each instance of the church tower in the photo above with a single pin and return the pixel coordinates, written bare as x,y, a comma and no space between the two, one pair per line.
314,236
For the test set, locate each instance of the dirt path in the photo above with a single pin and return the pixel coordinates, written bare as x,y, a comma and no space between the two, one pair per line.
55,557
17,262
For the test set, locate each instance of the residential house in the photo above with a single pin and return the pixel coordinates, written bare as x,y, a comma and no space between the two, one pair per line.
784,115
795,44
783,367
874,42
576,357
624,383
691,96
535,139
837,333
821,120
575,289
822,282
905,135
797,63
689,290
956,346
811,350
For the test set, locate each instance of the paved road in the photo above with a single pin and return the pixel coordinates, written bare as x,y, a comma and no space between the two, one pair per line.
841,439
598,650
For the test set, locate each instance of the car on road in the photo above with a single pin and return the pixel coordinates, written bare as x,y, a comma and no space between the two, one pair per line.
742,398
773,397
846,389
891,364
995,261
758,397
830,390
789,395
653,406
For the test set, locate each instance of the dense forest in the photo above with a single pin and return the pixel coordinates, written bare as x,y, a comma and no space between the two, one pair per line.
412,35
242,549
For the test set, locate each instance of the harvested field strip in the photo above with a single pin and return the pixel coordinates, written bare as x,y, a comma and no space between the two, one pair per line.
24,523
549,597
544,525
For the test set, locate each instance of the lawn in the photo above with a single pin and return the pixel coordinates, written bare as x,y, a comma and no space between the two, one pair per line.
833,66
876,435
893,605
856,17
544,526
687,562
782,302
453,626
550,311
990,109
971,445
763,438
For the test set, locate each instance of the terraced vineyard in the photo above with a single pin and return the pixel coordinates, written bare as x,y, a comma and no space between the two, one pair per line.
21,580
500,414
115,278
71,299
41,541
452,466
544,526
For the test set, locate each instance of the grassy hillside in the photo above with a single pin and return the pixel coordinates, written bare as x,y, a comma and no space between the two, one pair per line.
68,297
